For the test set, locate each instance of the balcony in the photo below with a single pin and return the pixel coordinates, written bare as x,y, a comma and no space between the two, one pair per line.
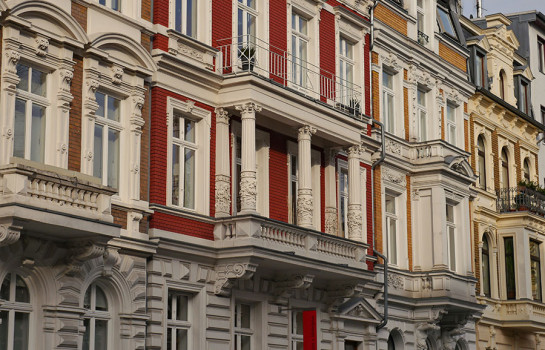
520,199
50,202
248,54
520,314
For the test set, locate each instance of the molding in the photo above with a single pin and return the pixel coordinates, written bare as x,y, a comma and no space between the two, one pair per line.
226,274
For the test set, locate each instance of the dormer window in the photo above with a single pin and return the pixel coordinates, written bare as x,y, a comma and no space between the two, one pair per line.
444,21
522,92
480,73
502,84
524,97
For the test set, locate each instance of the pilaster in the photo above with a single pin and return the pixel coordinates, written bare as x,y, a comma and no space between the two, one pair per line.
223,178
305,207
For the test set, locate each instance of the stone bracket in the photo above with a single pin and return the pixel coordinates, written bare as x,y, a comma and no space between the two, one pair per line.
226,274
9,234
284,288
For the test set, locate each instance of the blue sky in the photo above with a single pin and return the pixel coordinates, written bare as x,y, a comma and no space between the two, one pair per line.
504,6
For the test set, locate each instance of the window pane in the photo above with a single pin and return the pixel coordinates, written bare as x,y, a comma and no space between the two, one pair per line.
189,133
5,288
478,71
390,204
181,339
101,303
37,141
450,113
387,80
178,15
3,330
101,334
102,2
510,268
245,318
113,158
245,342
175,175
423,126
169,338
97,151
189,179
452,134
21,290
486,272
19,129
113,108
22,73
452,248
86,335
392,240
450,213
390,113
446,21
115,5
38,82
240,25
20,334
176,126
101,100
298,322
181,307
87,299
421,97
191,18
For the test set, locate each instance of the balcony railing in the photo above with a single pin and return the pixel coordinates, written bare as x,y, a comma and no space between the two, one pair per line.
250,54
520,199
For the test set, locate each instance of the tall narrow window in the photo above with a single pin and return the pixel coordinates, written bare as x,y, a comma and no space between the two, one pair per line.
479,70
422,37
113,4
184,148
510,284
178,321
451,124
246,28
451,232
524,97
481,156
185,17
485,266
243,326
504,168
30,114
391,344
502,84
391,227
422,115
346,70
15,313
96,319
299,49
541,53
293,183
343,200
237,162
388,101
106,139
297,330
535,270
526,169
445,22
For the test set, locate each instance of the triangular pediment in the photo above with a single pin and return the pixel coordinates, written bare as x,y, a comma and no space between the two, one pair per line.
358,308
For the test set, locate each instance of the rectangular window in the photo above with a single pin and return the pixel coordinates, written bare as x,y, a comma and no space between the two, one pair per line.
422,113
113,4
535,270
107,139
451,124
420,24
479,70
444,21
185,17
30,114
246,29
524,105
343,199
346,70
243,326
293,186
542,114
184,148
388,101
451,232
297,330
510,284
391,228
299,49
178,321
541,53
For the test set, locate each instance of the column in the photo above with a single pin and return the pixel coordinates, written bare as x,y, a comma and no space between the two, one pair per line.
355,230
223,177
248,179
305,207
331,223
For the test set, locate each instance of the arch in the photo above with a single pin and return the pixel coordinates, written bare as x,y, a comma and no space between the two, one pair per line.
125,49
462,344
48,16
395,340
481,157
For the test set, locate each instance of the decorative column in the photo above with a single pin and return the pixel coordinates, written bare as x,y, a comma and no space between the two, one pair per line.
248,179
331,222
305,206
355,230
223,178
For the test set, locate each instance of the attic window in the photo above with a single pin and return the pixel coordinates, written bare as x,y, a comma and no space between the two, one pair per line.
444,21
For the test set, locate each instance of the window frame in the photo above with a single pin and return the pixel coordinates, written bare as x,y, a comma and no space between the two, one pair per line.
299,71
526,172
183,20
94,315
393,251
441,24
504,165
510,295
174,324
12,307
346,51
451,123
481,160
541,54
536,259
389,120
451,235
485,277
342,167
239,331
109,4
422,114
295,338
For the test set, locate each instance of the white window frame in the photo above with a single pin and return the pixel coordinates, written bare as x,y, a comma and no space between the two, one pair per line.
106,125
109,4
422,115
248,36
292,157
239,331
451,125
541,54
202,120
388,116
11,306
30,100
451,236
395,218
93,315
173,323
342,167
295,338
347,49
299,70
183,146
184,17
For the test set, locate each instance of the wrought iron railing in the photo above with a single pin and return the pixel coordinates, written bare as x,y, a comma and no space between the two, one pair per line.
520,199
423,39
249,54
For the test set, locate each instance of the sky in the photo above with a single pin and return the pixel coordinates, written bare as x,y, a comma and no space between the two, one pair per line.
503,6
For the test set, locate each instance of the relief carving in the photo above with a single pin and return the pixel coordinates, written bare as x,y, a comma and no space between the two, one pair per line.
248,189
305,206
393,177
9,234
226,275
41,46
395,281
354,216
331,221
223,194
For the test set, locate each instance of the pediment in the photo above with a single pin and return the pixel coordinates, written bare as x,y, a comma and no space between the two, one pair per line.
460,165
358,308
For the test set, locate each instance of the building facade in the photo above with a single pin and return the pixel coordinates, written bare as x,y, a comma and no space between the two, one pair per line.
507,216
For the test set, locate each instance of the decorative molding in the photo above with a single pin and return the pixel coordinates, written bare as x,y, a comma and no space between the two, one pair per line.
393,147
396,281
226,274
392,176
41,46
222,116
306,132
392,62
305,206
284,288
117,74
337,295
81,253
110,258
248,189
9,234
331,222
355,219
223,194
423,330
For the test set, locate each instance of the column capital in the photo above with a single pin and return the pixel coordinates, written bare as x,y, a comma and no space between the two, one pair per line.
355,151
306,132
222,116
248,108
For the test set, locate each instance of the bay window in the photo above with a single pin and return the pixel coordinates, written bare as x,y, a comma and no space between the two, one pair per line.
299,49
184,148
178,321
535,270
106,136
14,313
388,104
185,17
96,319
30,113
451,124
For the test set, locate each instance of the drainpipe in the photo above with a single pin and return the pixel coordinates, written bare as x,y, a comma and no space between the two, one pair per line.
375,164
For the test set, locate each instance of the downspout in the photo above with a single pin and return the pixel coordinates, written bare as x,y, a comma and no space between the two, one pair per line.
375,164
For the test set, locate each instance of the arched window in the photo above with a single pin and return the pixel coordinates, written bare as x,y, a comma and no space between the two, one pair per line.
504,168
395,340
502,84
429,345
96,319
15,314
481,155
391,345
526,169
485,266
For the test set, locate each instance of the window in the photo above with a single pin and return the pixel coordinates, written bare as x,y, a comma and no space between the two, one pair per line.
542,114
451,232
481,156
185,17
504,168
422,115
351,345
510,284
502,84
30,114
243,326
178,321
106,139
480,74
113,4
535,270
391,228
297,330
444,21
96,319
388,96
14,313
524,98
293,186
184,147
526,169
485,266
541,53
246,28
346,70
299,48
391,344
422,37
237,163
343,198
451,124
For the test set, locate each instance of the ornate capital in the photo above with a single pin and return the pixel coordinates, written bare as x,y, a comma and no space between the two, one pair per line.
248,109
306,132
9,234
226,274
355,151
222,116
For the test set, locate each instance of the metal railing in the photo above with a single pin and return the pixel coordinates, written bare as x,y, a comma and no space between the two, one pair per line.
250,54
520,199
